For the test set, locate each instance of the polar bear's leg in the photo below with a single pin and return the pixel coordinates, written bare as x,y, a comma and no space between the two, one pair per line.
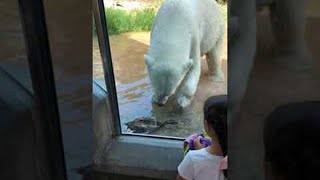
189,86
190,83
214,61
288,20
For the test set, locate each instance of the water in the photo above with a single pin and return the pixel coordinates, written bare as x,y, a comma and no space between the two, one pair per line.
134,89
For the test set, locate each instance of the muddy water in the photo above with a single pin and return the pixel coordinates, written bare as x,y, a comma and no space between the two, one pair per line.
135,91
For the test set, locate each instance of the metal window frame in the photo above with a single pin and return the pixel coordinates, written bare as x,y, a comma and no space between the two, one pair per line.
104,45
103,38
50,162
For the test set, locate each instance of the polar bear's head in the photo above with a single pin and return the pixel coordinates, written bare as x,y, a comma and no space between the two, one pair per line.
165,77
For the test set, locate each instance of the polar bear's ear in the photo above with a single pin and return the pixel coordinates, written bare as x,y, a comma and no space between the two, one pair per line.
149,60
187,64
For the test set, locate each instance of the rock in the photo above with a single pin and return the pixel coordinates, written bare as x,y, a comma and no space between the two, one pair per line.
146,125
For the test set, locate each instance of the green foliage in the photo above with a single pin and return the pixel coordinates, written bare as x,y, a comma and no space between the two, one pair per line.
121,21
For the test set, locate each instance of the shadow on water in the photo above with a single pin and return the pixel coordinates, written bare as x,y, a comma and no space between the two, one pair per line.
135,91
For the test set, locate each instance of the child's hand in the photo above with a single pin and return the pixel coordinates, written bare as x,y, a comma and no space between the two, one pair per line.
197,144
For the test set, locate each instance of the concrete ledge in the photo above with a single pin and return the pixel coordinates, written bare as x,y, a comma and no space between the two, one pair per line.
131,156
143,157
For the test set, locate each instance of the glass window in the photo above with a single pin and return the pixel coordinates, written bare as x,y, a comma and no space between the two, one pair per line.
129,27
16,94
29,116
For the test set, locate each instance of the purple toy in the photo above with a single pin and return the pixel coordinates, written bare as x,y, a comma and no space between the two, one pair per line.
189,145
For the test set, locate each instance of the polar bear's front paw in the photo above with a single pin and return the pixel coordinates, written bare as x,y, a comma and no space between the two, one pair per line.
183,101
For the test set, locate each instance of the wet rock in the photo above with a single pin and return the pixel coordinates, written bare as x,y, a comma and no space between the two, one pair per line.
147,125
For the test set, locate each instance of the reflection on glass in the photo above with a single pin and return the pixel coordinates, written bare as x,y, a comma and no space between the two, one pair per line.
16,129
13,58
275,79
129,27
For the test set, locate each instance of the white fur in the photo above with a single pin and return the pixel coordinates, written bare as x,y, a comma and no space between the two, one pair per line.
182,32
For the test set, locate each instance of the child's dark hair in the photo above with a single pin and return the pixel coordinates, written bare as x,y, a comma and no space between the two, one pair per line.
292,140
215,112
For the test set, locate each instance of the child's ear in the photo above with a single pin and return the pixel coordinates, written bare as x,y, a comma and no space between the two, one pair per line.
206,126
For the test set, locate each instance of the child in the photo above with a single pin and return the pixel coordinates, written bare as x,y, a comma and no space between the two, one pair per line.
292,142
204,164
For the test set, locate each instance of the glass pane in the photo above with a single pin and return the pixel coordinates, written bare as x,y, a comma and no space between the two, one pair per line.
98,74
129,25
13,58
285,70
69,30
16,124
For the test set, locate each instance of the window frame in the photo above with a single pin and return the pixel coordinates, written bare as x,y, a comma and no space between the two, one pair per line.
104,45
50,162
105,51
121,152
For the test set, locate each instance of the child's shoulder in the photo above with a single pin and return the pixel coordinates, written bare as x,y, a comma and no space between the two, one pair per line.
201,154
202,151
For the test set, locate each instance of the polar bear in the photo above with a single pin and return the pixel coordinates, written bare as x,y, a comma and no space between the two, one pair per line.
288,24
183,31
